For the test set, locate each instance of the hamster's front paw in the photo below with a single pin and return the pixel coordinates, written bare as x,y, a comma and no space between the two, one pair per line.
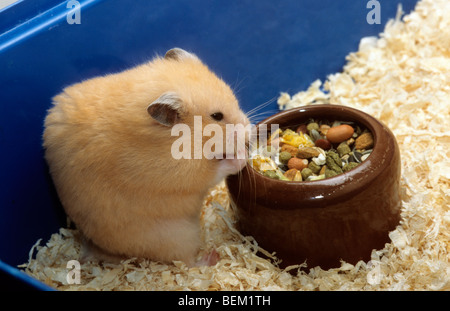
209,259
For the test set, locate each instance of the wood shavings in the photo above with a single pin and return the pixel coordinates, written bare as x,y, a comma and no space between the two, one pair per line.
401,78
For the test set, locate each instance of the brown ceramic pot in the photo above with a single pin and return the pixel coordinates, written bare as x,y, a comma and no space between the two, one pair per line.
343,217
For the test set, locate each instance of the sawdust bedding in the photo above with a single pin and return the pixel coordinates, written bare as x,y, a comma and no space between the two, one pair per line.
402,78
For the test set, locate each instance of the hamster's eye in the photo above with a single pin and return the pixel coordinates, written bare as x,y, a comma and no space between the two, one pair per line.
218,116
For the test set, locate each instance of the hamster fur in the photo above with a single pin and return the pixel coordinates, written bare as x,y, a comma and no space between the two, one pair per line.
108,145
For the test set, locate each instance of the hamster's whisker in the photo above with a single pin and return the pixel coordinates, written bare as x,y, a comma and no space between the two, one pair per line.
259,107
237,84
254,117
240,181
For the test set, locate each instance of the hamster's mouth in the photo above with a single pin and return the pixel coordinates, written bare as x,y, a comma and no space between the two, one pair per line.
224,156
236,154
240,153
231,156
228,156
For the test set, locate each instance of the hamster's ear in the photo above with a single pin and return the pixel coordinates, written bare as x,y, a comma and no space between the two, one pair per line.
179,54
166,109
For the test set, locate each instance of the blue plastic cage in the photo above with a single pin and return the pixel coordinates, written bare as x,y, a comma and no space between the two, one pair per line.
260,47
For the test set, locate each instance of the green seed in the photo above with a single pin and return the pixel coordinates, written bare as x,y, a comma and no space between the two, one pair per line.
314,167
330,173
343,149
334,162
271,174
312,126
306,172
333,155
285,157
349,166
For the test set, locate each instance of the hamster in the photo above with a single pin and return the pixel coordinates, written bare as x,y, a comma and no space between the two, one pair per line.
108,144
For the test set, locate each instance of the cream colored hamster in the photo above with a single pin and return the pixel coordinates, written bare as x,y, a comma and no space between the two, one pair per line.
108,145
